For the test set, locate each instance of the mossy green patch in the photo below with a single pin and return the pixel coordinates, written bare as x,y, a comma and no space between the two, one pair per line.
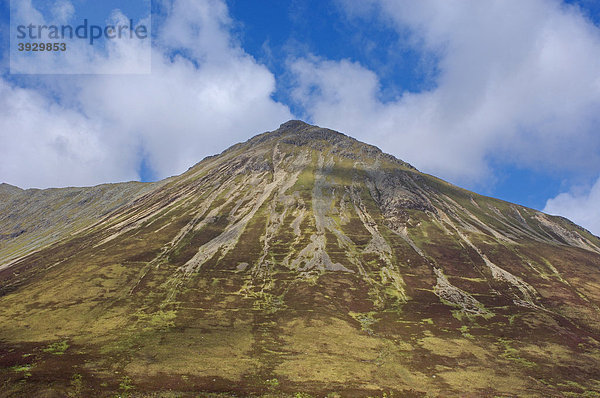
57,348
366,320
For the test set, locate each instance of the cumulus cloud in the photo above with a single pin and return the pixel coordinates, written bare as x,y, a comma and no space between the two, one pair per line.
580,206
45,144
519,82
62,11
204,94
123,56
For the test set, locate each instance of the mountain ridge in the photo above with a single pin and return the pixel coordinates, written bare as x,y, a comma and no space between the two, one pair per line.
303,260
291,126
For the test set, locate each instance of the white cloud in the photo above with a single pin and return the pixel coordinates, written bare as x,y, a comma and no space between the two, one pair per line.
519,82
123,56
62,11
204,94
581,207
45,144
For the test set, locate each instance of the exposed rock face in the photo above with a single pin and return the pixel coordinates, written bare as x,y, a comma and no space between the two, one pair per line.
306,257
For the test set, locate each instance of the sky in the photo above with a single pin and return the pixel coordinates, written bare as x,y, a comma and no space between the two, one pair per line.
501,97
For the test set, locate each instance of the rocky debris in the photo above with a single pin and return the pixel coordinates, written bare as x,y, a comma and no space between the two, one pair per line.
344,216
527,292
472,218
455,296
263,190
570,237
377,244
314,256
275,218
273,256
300,213
395,193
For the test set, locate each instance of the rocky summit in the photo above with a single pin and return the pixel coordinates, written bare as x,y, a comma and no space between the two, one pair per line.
299,263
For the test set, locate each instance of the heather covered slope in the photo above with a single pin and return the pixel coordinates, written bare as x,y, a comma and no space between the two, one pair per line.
35,218
306,261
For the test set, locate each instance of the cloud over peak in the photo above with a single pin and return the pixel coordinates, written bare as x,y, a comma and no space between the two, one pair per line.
204,94
517,82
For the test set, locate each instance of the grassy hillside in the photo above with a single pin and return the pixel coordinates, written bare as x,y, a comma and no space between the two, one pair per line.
305,263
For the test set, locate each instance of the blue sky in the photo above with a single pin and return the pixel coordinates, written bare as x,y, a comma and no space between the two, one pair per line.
274,31
500,97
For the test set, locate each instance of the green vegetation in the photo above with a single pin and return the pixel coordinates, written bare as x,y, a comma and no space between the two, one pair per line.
272,382
513,354
298,291
158,320
22,368
464,330
77,385
366,320
57,348
125,386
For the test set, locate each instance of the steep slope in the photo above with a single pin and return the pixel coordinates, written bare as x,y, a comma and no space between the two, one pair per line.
305,261
34,218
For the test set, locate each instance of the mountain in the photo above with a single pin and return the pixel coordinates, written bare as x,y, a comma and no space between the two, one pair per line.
299,263
34,218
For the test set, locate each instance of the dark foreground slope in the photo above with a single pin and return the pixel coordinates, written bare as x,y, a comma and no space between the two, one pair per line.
304,261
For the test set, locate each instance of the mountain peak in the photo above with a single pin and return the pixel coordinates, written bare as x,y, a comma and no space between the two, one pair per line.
294,124
303,131
7,190
299,127
300,260
5,186
298,133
